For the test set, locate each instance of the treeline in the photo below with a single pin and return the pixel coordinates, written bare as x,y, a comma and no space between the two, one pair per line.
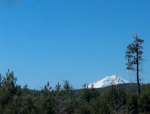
65,100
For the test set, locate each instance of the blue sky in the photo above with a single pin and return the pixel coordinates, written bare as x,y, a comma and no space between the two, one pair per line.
76,40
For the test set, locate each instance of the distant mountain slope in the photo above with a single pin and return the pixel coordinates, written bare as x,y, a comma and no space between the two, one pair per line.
107,81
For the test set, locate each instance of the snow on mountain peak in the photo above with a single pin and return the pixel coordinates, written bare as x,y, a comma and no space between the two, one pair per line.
107,81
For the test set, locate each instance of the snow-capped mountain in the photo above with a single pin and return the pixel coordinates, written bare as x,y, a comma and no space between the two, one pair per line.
107,81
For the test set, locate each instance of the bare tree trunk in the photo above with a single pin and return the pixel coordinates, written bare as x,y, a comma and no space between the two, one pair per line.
138,81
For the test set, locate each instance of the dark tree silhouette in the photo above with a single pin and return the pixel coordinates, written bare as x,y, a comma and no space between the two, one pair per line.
134,56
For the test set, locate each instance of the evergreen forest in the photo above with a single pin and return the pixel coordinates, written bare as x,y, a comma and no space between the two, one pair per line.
63,99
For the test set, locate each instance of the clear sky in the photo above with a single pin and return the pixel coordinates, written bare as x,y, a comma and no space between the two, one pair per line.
76,40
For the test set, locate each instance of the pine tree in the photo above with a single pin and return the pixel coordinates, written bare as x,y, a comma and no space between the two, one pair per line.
134,55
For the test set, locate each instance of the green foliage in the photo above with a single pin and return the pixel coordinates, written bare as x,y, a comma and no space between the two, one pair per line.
88,94
132,103
144,100
84,108
104,106
116,98
65,100
45,104
8,89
